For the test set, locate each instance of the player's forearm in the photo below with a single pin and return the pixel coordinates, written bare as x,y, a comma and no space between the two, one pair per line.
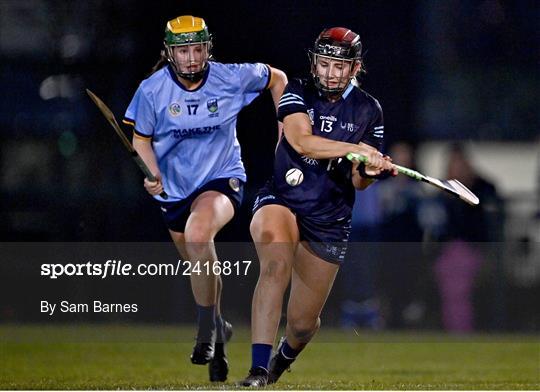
146,152
318,147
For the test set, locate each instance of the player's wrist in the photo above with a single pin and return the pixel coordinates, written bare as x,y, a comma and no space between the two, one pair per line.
374,174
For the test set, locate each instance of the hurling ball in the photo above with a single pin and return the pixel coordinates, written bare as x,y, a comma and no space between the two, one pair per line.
294,177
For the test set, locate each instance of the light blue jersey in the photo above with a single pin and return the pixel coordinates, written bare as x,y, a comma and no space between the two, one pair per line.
194,132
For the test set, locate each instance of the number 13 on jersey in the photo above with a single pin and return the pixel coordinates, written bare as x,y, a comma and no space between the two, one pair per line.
327,126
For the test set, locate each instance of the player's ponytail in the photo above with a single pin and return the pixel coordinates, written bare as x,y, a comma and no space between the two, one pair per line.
160,63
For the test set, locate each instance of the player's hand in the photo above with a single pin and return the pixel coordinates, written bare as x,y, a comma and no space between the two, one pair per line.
375,164
378,163
392,169
154,187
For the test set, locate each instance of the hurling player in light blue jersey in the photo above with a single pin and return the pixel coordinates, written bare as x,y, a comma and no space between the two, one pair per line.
184,122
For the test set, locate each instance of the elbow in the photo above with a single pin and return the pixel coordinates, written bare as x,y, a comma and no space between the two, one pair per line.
307,146
311,154
278,80
281,77
301,148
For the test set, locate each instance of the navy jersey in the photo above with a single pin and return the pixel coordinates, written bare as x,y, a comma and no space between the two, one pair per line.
326,192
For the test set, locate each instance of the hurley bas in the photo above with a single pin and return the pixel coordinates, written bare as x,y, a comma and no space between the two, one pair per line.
95,306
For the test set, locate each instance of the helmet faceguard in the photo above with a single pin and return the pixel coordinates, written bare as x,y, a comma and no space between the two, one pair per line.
191,32
334,60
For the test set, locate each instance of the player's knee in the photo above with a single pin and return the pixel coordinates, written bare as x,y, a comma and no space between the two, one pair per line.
276,271
303,329
261,233
195,250
198,240
199,233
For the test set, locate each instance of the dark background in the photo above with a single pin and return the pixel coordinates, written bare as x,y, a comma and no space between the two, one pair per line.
442,71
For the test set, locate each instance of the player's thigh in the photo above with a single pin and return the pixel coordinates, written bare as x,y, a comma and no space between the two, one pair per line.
210,211
274,223
311,283
275,234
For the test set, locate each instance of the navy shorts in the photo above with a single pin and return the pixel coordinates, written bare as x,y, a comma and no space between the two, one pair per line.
326,238
177,213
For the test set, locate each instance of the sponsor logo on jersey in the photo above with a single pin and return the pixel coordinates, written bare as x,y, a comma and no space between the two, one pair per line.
190,132
349,126
264,198
329,118
310,161
234,183
212,105
311,115
337,251
334,250
259,200
175,109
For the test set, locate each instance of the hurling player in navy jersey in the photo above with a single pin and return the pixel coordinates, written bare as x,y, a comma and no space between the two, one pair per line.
302,217
184,118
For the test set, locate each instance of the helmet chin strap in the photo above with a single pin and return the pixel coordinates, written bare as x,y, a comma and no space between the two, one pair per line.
193,77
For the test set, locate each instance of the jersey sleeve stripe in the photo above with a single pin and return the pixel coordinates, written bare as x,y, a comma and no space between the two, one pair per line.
292,95
291,103
141,135
136,133
290,99
138,136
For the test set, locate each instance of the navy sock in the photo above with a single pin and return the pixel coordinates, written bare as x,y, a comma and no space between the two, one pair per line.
289,352
260,355
206,321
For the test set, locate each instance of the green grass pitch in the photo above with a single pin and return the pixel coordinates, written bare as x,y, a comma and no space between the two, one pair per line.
157,357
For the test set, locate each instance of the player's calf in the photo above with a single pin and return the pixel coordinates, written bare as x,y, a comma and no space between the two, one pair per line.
301,331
